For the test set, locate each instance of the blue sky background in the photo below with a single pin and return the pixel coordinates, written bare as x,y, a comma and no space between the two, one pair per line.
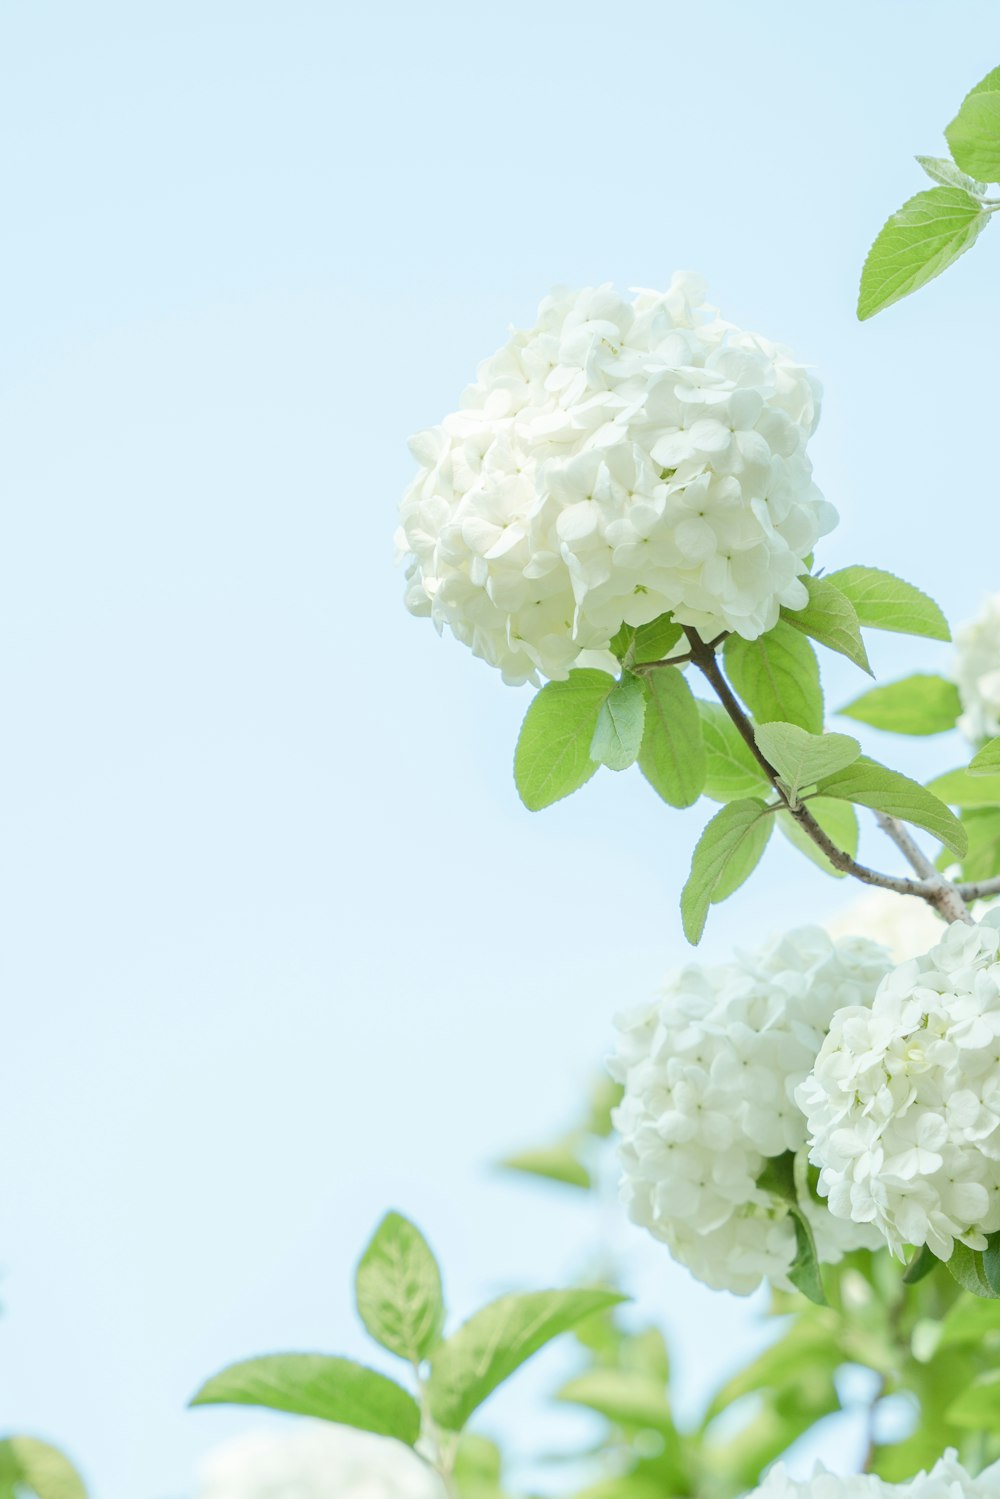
281,948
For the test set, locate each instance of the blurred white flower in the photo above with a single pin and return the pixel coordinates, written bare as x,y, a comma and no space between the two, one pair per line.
907,927
946,1480
903,1104
976,671
709,1072
621,459
315,1460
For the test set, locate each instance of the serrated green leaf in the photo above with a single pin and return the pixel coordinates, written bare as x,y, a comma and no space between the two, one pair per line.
869,784
974,135
921,704
987,761
832,620
730,769
30,1467
978,1405
837,819
672,753
558,1163
800,758
942,169
917,243
316,1384
777,676
884,602
716,853
623,1396
653,641
398,1290
966,1266
959,788
552,758
618,730
743,860
496,1341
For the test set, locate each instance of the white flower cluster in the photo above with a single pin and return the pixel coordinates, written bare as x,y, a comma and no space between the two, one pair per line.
976,670
621,459
946,1480
903,1105
315,1460
709,1072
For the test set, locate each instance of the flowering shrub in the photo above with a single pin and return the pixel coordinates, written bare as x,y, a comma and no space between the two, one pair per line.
903,1104
946,1480
315,1460
709,1072
619,460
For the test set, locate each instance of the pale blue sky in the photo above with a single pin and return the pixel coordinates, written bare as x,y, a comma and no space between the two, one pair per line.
281,948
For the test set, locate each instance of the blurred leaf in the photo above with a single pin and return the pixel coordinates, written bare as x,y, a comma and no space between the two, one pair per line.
869,784
726,852
315,1384
496,1341
832,620
987,761
28,1466
921,704
556,1163
552,758
978,1405
398,1290
920,1266
624,1397
960,789
618,730
884,602
672,753
605,1098
777,676
731,770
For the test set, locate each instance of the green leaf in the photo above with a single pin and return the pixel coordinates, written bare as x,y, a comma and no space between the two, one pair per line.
477,1470
605,1097
777,676
28,1466
552,758
942,169
974,135
672,753
730,769
744,860
921,704
398,1290
805,1273
978,1405
315,1384
884,602
917,243
556,1163
496,1341
982,825
832,619
800,758
991,1263
987,761
959,788
618,731
624,1396
869,784
653,641
920,1266
837,819
966,1266
716,853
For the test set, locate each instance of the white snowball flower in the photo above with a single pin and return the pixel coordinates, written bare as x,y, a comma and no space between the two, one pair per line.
907,927
903,1104
709,1072
619,460
315,1460
946,1480
976,670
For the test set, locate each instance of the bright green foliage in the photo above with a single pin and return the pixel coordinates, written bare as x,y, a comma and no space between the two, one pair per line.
837,819
832,619
978,1405
987,761
628,1397
974,134
653,641
917,243
868,784
963,788
315,1384
800,758
730,769
618,730
921,704
778,1176
495,1341
477,1470
730,845
552,758
672,752
398,1290
966,1266
941,169
982,827
777,676
884,602
30,1469
558,1162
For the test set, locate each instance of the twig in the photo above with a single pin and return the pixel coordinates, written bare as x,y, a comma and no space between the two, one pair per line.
952,903
979,889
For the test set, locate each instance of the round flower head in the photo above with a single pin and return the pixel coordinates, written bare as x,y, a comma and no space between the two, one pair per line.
621,459
709,1073
946,1480
903,1104
976,670
315,1460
